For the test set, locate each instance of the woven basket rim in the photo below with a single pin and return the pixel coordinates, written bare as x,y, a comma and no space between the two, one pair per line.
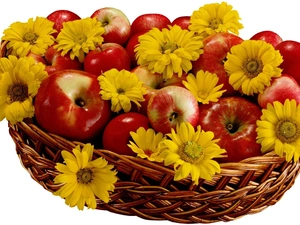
233,193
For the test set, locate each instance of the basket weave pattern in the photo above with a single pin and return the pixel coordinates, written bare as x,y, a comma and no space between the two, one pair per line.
148,190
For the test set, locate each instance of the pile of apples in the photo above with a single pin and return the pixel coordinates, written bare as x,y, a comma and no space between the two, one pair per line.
68,102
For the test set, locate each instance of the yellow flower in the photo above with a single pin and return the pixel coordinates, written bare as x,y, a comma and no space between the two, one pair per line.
215,18
251,65
146,144
279,129
20,80
168,51
79,37
191,152
203,86
122,88
84,178
33,36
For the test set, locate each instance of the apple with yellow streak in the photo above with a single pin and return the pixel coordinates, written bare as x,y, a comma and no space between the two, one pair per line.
68,104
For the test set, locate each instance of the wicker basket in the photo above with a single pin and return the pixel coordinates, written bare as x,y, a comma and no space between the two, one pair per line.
148,190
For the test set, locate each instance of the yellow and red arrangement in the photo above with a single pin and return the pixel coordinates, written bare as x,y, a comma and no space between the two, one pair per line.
188,95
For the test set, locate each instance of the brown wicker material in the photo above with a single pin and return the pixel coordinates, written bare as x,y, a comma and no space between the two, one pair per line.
148,190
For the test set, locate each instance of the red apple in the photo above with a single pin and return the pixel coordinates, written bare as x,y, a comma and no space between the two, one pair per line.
54,61
156,80
170,106
37,58
130,46
153,82
281,88
68,104
148,78
116,24
216,47
61,16
182,21
175,80
116,135
290,51
146,22
233,121
106,57
268,36
143,108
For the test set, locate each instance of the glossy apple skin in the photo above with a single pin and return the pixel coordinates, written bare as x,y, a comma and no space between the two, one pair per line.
268,36
215,49
59,107
116,135
130,47
240,142
153,82
172,105
116,24
61,16
146,22
281,88
156,80
148,78
106,57
182,21
290,51
55,61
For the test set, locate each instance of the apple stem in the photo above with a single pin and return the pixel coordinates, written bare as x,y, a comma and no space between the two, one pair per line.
232,128
80,102
229,126
172,117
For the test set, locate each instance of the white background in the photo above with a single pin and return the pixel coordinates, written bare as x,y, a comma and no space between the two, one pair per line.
23,201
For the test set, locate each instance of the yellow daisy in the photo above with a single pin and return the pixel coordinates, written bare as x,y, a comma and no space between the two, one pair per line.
33,36
191,152
122,88
279,129
84,178
204,86
168,51
146,144
79,37
215,18
20,80
251,65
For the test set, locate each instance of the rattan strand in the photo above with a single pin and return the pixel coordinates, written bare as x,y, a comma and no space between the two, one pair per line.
148,190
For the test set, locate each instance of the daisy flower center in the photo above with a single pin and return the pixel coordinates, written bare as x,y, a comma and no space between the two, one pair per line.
253,67
18,92
80,39
191,152
148,152
171,47
120,91
214,24
84,176
203,94
30,37
287,130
